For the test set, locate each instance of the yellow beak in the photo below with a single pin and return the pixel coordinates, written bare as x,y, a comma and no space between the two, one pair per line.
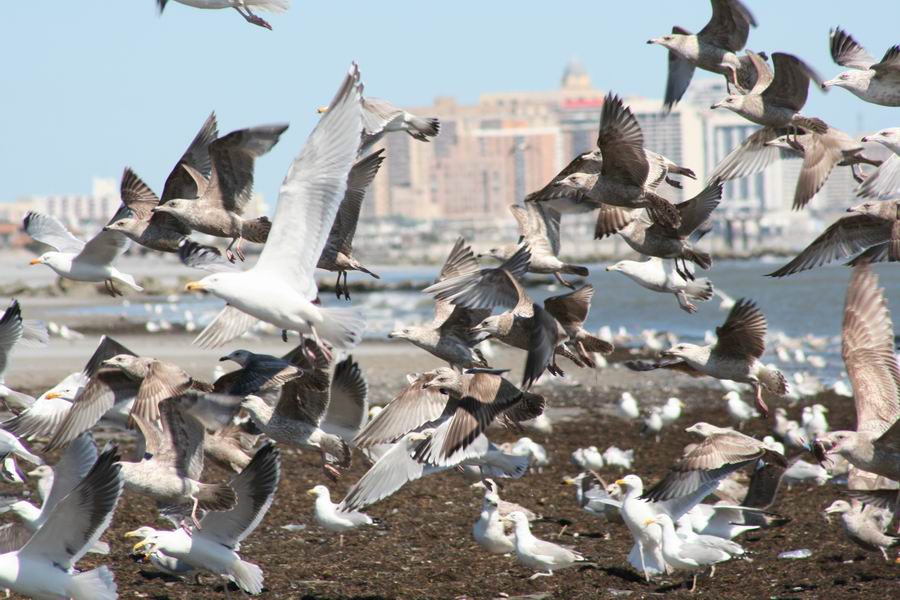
53,396
133,534
310,492
35,261
322,110
568,481
620,482
193,286
650,521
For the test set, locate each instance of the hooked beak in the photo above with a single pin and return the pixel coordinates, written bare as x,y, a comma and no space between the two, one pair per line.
310,492
393,334
568,481
35,261
650,521
620,482
610,268
653,41
322,110
224,358
715,106
131,534
194,286
53,396
667,354
829,83
865,138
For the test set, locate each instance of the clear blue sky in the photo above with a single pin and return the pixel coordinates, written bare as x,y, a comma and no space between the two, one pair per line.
90,86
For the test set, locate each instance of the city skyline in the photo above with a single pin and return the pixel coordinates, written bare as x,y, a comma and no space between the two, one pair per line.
79,110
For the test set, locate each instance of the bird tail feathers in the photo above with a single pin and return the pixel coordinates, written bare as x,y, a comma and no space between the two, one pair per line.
700,289
341,327
701,259
269,5
592,343
576,270
247,576
422,129
96,584
128,280
773,380
256,230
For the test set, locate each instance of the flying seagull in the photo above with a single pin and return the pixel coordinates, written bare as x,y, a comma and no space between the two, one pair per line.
242,6
884,183
740,343
77,260
662,276
380,117
280,288
219,206
713,49
868,79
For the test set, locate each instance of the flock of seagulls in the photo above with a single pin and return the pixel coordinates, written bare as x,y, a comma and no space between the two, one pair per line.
315,398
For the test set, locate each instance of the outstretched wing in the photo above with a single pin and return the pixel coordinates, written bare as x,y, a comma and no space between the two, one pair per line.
48,230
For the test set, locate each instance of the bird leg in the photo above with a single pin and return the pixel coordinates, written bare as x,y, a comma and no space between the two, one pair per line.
346,287
341,541
712,571
331,472
194,512
673,182
284,336
252,18
111,288
561,531
329,356
694,584
763,409
337,286
585,355
563,281
539,574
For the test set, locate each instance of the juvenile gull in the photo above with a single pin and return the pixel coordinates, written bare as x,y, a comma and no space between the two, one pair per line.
334,517
862,527
571,311
867,348
868,79
884,183
539,228
338,253
219,206
713,49
776,99
348,407
213,545
740,343
540,555
160,231
873,227
449,335
280,288
380,117
77,260
44,566
242,6
651,239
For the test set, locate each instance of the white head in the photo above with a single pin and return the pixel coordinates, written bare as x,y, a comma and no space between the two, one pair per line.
704,429
40,472
631,482
783,143
853,79
518,518
126,225
491,325
839,442
889,137
401,334
220,284
672,41
623,266
255,404
681,350
673,402
733,102
320,491
59,260
577,180
149,538
838,507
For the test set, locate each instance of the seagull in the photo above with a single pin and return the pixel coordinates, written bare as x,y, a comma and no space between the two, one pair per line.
662,276
212,546
735,355
296,418
338,252
684,555
449,335
538,227
538,554
867,347
160,231
242,6
671,410
77,260
10,445
13,330
868,79
259,373
44,566
218,208
334,517
567,194
862,528
589,458
653,422
488,530
776,99
348,407
380,117
280,289
592,497
571,311
739,410
616,457
627,408
714,49
622,180
873,227
814,421
170,469
884,183
650,239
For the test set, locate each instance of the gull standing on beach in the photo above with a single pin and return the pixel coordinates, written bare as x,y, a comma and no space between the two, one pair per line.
338,253
335,517
242,6
740,343
862,527
538,554
868,79
280,288
77,260
684,555
714,49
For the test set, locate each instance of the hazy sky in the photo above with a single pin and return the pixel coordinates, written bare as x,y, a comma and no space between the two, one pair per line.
91,86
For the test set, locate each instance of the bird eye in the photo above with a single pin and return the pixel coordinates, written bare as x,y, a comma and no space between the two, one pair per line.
845,77
730,100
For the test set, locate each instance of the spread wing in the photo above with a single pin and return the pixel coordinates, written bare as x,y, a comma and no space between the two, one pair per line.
868,351
847,52
361,176
180,183
48,230
163,380
696,211
729,26
74,465
413,407
104,248
622,144
884,182
819,160
681,71
181,443
310,196
227,325
752,156
743,334
349,407
137,195
207,258
843,238
486,288
790,87
80,518
889,67
571,308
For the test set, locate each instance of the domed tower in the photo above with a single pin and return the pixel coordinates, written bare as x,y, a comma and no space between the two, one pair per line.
575,77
